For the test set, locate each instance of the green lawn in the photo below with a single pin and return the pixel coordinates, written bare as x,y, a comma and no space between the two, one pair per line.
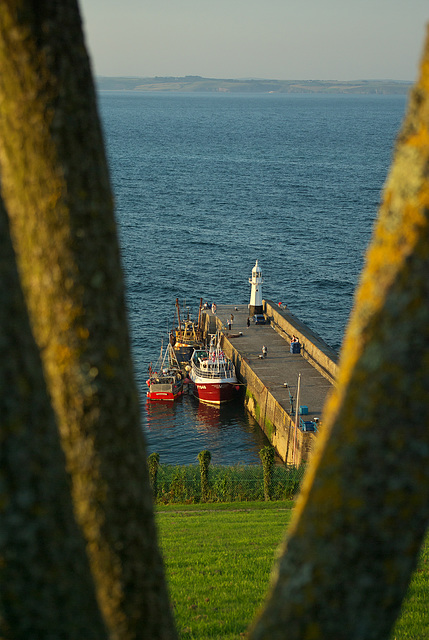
413,623
219,558
218,563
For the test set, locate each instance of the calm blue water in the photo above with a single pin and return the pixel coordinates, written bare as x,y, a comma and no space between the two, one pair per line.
205,184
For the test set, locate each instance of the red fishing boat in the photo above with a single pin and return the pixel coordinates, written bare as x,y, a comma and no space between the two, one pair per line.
167,382
213,374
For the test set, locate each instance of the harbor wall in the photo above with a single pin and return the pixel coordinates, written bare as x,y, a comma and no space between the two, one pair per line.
313,348
292,445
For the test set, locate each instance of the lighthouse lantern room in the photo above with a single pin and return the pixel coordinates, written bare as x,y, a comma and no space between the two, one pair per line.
256,281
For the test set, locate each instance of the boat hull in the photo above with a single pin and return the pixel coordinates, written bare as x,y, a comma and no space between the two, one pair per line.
163,395
213,375
162,391
214,392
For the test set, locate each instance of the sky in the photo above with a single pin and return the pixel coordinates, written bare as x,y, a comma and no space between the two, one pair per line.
277,39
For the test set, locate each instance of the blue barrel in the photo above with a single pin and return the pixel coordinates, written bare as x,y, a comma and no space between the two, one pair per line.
295,347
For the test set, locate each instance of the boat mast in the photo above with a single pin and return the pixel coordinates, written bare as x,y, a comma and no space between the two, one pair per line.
178,317
199,318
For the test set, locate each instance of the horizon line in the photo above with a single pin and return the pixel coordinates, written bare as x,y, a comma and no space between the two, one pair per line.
253,79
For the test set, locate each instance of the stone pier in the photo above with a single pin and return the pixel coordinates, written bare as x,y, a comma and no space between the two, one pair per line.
271,383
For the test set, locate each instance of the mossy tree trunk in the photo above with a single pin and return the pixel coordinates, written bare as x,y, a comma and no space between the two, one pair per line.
364,507
56,188
46,588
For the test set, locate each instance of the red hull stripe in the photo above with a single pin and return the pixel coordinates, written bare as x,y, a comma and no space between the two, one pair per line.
162,395
214,393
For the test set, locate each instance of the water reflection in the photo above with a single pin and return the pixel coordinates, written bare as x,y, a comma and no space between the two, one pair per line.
179,430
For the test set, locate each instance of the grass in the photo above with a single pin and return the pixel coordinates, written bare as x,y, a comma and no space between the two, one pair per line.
413,623
219,557
218,563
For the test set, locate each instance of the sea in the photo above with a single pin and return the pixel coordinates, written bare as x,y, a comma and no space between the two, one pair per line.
205,185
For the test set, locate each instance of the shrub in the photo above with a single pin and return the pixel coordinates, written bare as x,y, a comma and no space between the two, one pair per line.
153,465
204,458
232,483
267,456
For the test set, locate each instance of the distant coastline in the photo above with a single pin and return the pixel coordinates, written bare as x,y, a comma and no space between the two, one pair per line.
214,85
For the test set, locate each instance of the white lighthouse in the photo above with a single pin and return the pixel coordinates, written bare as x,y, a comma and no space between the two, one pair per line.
256,281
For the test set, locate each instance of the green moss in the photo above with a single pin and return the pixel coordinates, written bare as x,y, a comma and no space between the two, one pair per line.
250,396
269,429
252,405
